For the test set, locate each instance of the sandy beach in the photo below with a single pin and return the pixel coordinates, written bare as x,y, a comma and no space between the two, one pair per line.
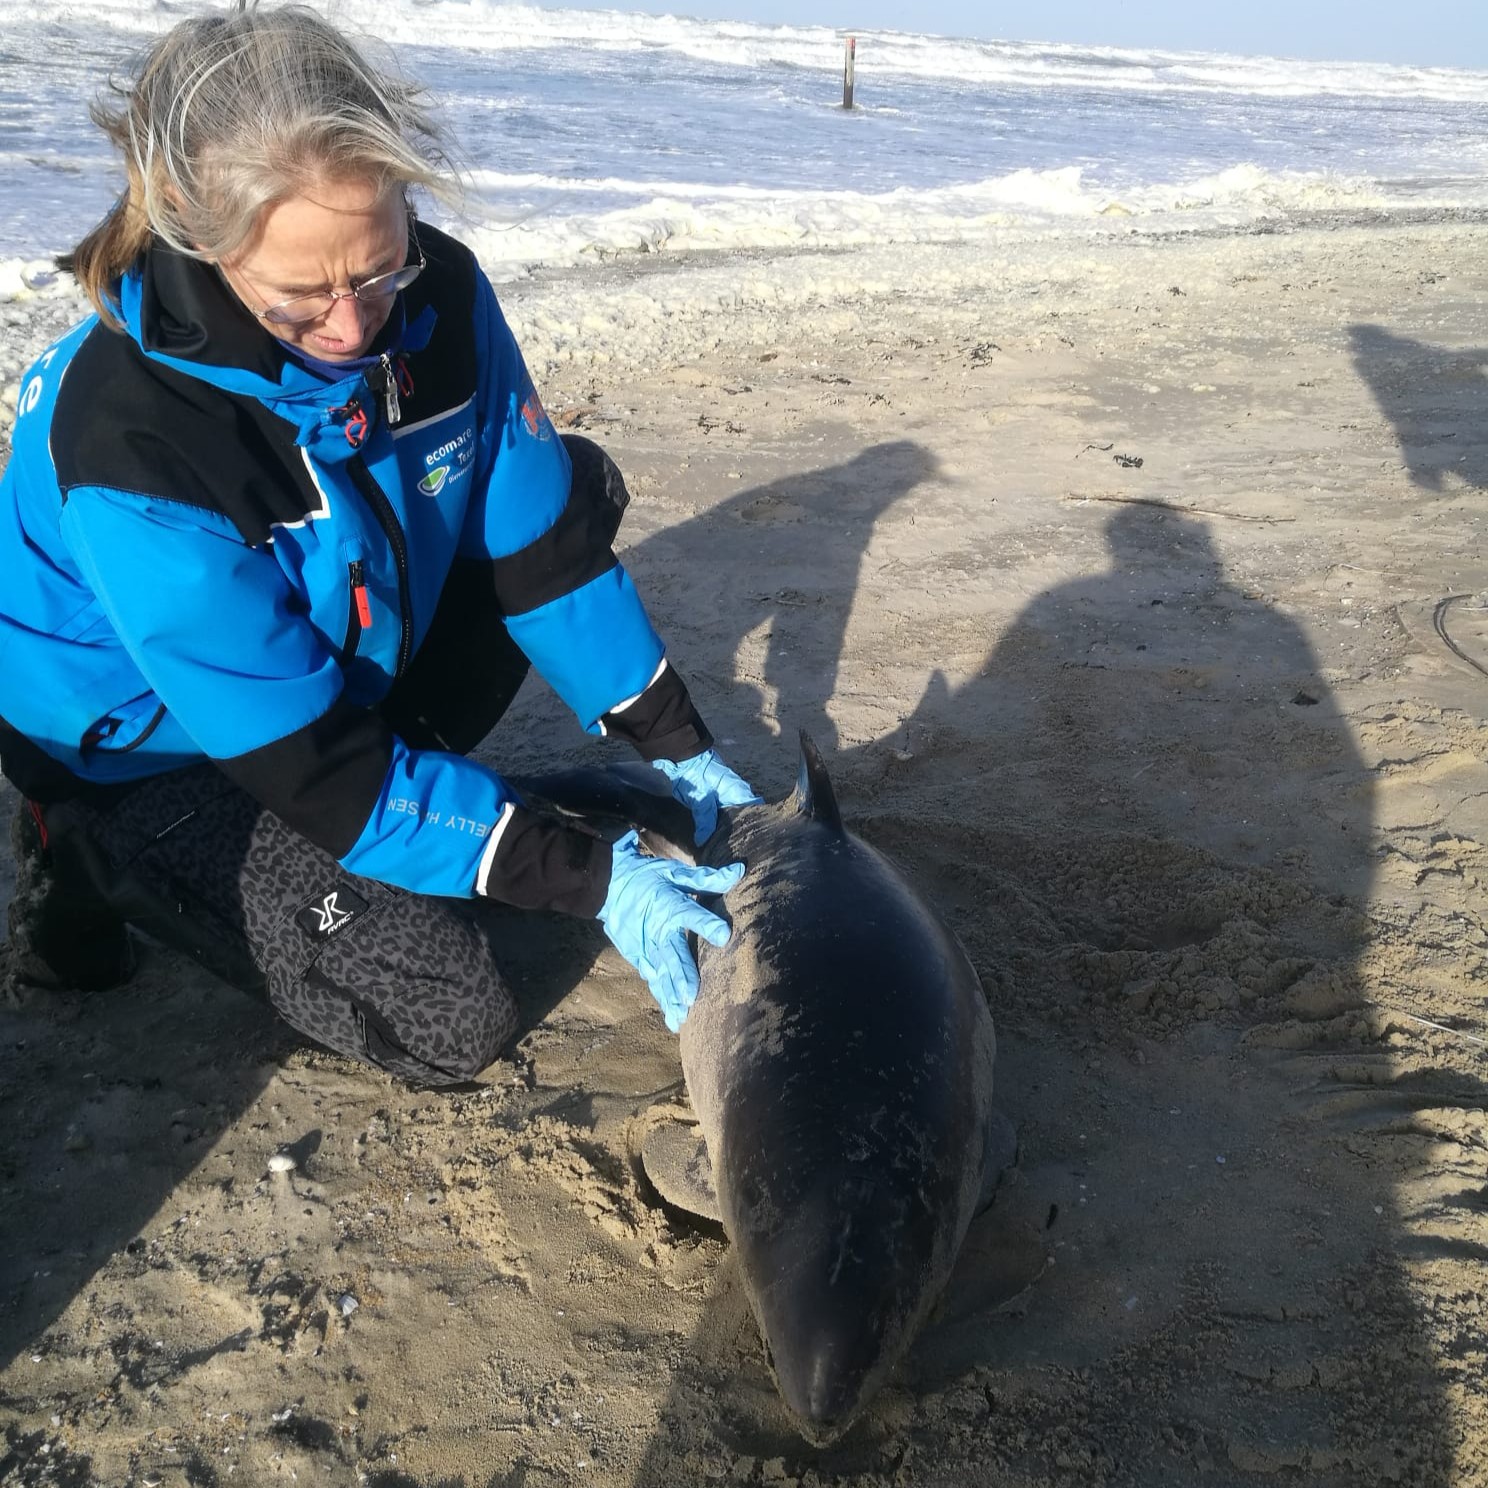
1136,591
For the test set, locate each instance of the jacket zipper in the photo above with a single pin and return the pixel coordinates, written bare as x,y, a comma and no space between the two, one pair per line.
387,519
359,617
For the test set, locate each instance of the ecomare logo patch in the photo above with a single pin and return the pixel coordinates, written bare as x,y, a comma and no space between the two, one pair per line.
433,483
461,445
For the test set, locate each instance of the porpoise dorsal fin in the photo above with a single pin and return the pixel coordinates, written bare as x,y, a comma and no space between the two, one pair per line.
814,796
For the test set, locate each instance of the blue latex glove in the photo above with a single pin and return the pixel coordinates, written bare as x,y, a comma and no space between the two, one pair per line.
649,911
703,784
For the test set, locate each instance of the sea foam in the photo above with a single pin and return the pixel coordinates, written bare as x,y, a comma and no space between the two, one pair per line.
594,133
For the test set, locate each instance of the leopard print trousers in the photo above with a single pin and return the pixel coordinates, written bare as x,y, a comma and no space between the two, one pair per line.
403,981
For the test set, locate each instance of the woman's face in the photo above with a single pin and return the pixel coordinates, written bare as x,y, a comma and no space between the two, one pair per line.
331,237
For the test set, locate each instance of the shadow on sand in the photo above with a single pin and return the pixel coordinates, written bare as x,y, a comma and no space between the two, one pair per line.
1150,826
1434,397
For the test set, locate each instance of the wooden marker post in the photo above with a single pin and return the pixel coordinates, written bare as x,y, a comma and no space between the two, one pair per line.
847,72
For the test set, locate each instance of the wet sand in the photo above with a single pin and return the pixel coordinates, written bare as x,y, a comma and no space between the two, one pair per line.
1136,592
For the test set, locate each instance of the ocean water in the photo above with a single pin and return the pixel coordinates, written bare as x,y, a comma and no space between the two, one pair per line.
587,134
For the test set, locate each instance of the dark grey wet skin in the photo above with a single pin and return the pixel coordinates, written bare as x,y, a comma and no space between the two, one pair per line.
839,1060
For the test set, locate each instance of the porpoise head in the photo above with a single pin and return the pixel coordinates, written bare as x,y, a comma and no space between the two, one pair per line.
834,1322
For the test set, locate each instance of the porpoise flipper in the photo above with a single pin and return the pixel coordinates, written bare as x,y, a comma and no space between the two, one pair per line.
675,1159
1000,1149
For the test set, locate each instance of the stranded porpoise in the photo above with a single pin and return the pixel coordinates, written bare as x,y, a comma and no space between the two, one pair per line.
839,1061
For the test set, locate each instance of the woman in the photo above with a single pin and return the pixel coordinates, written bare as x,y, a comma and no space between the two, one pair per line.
283,526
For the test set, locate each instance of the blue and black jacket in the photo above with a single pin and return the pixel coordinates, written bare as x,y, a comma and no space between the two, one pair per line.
211,552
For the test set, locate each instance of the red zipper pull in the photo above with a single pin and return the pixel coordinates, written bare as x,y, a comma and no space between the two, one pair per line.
359,593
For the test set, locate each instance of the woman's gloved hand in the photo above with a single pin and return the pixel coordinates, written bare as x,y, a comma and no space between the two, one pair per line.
649,911
703,784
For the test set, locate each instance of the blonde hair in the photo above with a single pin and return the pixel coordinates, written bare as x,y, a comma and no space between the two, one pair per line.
227,114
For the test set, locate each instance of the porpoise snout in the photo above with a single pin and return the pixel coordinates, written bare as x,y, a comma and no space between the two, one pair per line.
832,1313
826,1390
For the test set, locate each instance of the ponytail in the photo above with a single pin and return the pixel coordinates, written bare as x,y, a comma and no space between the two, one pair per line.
109,252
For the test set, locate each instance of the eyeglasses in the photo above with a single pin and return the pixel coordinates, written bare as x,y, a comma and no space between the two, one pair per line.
305,308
